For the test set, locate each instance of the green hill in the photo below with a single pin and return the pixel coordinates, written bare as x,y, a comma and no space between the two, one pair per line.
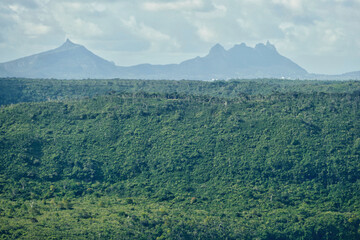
178,166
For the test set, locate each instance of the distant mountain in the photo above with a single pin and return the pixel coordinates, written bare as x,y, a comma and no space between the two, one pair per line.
352,75
70,60
345,76
242,61
3,72
73,61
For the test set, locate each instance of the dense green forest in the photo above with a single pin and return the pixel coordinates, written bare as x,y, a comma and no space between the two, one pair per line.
15,90
122,159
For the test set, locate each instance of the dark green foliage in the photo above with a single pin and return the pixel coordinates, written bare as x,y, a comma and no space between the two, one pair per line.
15,90
178,166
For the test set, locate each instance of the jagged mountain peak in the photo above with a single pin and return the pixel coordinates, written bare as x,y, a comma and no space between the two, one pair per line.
238,48
69,45
269,45
217,49
260,46
265,47
241,45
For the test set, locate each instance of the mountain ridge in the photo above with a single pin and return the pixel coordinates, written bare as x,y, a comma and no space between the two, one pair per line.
75,61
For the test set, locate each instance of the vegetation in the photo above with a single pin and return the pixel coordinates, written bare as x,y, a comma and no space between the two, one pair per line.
145,165
16,90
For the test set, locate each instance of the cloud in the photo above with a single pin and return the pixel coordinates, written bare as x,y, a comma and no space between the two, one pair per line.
294,5
212,11
86,28
175,6
294,31
78,7
25,22
35,30
78,20
206,34
157,39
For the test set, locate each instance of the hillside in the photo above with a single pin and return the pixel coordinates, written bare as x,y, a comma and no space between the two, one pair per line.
178,166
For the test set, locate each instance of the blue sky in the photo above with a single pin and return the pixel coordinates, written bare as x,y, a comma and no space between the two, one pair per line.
323,36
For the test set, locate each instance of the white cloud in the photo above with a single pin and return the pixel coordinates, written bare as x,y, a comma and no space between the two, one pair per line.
16,8
293,31
295,5
35,30
72,6
98,7
84,28
157,39
81,7
333,35
214,11
206,34
220,8
176,5
78,20
145,31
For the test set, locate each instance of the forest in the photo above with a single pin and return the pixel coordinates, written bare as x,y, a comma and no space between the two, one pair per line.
16,90
137,159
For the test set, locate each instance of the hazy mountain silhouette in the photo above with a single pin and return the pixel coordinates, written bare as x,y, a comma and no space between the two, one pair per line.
243,62
74,61
70,60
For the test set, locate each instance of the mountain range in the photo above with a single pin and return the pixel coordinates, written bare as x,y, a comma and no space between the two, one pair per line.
74,61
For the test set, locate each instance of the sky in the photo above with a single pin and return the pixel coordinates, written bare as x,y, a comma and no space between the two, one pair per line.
322,36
